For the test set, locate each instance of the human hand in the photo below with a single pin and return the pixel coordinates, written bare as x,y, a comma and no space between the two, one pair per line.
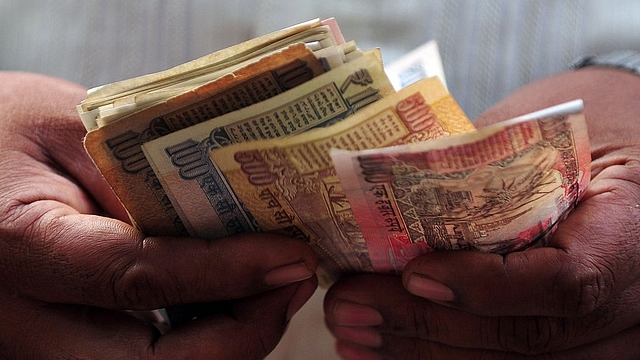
68,265
577,298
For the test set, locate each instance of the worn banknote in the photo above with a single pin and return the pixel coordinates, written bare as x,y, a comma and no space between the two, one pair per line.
500,189
205,202
115,148
110,102
290,186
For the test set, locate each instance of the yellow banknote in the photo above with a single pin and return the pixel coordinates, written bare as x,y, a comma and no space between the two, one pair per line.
290,185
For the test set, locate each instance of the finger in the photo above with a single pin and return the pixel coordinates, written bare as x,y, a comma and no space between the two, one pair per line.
253,329
104,262
63,145
67,331
66,153
363,309
50,137
368,309
63,331
623,346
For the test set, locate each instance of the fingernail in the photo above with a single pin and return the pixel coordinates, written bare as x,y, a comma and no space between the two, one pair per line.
428,288
302,295
287,274
347,313
353,352
364,336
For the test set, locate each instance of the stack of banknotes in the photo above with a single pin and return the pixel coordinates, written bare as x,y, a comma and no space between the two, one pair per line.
302,133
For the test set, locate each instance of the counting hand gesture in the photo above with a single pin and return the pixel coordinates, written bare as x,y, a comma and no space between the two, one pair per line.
70,262
577,298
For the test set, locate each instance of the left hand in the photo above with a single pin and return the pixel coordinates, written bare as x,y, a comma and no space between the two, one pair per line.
577,298
70,263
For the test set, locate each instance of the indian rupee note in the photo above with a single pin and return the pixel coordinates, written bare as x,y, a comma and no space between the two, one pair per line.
116,150
127,96
500,189
331,57
290,186
204,201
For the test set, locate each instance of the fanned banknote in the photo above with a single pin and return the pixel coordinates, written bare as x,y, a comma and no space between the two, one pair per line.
290,185
299,132
110,102
205,202
500,189
115,148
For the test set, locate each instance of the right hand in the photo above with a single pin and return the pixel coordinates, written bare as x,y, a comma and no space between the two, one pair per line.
576,298
68,265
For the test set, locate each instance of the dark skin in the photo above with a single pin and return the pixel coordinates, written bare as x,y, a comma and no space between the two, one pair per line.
577,298
70,261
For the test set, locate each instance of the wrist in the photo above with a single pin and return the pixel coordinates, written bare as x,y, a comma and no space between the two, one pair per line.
628,60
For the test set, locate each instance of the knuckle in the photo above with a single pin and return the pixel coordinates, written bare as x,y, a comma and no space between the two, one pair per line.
584,288
420,321
263,348
258,342
138,287
532,336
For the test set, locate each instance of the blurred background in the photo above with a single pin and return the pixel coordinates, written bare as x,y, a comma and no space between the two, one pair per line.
489,48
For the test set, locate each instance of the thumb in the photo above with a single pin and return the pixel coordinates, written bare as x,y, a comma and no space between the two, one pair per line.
490,284
106,263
